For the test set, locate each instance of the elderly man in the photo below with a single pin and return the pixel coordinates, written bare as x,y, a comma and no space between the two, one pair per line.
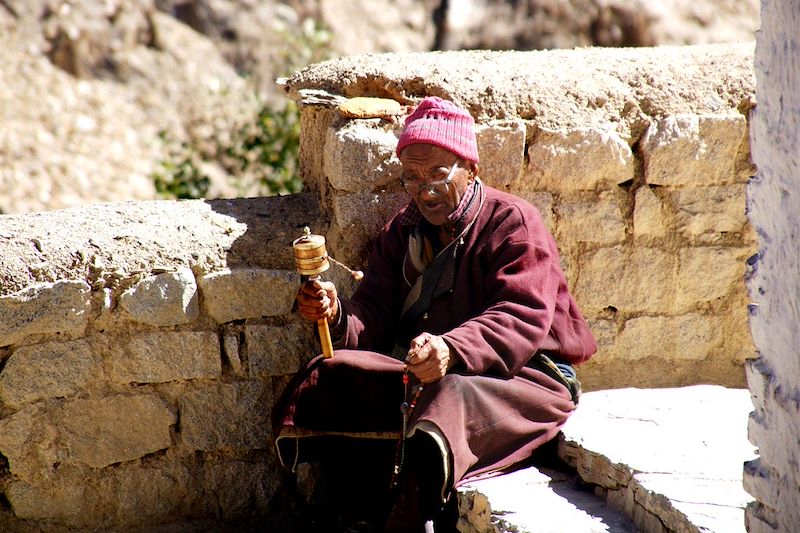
460,341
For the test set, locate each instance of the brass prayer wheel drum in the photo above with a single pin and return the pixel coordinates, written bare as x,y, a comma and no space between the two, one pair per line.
311,259
310,256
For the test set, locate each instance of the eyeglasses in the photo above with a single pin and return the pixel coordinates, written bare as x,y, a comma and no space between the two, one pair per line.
433,188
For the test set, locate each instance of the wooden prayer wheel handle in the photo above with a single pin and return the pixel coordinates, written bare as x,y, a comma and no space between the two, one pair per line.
324,334
311,259
325,338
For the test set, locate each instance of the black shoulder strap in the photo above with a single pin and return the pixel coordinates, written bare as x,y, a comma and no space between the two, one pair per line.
438,277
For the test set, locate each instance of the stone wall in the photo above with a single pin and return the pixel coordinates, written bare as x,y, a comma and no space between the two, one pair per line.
637,159
774,285
143,344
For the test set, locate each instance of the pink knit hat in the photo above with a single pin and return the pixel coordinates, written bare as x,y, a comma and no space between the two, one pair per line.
443,123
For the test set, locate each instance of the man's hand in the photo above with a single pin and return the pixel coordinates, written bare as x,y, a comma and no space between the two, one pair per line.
429,357
317,299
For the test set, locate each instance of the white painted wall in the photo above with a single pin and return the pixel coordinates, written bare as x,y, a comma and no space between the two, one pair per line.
774,286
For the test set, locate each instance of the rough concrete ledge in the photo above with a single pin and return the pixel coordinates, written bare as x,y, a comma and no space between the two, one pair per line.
104,243
553,89
650,460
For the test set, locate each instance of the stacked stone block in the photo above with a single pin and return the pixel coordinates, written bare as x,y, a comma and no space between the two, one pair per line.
132,413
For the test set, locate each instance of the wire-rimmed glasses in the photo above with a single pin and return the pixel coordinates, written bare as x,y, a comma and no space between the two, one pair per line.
434,188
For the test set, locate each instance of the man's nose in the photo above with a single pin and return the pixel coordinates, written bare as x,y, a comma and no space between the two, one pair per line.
427,192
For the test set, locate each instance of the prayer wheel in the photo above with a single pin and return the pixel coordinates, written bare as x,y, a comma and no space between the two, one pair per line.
311,260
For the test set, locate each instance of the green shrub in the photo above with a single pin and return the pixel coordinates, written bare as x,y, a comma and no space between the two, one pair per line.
268,149
261,157
181,179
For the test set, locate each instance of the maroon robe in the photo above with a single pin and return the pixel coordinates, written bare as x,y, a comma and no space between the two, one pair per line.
502,297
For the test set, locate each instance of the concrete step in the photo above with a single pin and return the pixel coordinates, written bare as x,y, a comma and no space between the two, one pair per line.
650,460
540,500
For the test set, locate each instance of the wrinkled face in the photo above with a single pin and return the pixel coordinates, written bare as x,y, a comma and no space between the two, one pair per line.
436,179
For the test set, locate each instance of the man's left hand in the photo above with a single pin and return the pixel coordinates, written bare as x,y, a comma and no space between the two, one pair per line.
429,357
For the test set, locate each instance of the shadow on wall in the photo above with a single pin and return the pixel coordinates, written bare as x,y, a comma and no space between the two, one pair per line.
272,224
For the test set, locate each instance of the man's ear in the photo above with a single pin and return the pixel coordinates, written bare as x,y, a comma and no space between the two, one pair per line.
473,168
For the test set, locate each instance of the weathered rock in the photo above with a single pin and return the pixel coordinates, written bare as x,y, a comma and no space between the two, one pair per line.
363,26
144,494
135,82
738,342
106,243
359,156
367,211
159,357
685,337
248,293
403,25
501,146
60,307
87,142
279,350
82,38
621,276
224,485
30,443
605,332
261,39
227,417
475,512
705,215
271,224
608,94
315,123
544,202
102,140
592,218
578,159
695,150
706,274
126,494
138,494
49,370
114,241
230,348
166,299
100,432
648,215
65,503
91,432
